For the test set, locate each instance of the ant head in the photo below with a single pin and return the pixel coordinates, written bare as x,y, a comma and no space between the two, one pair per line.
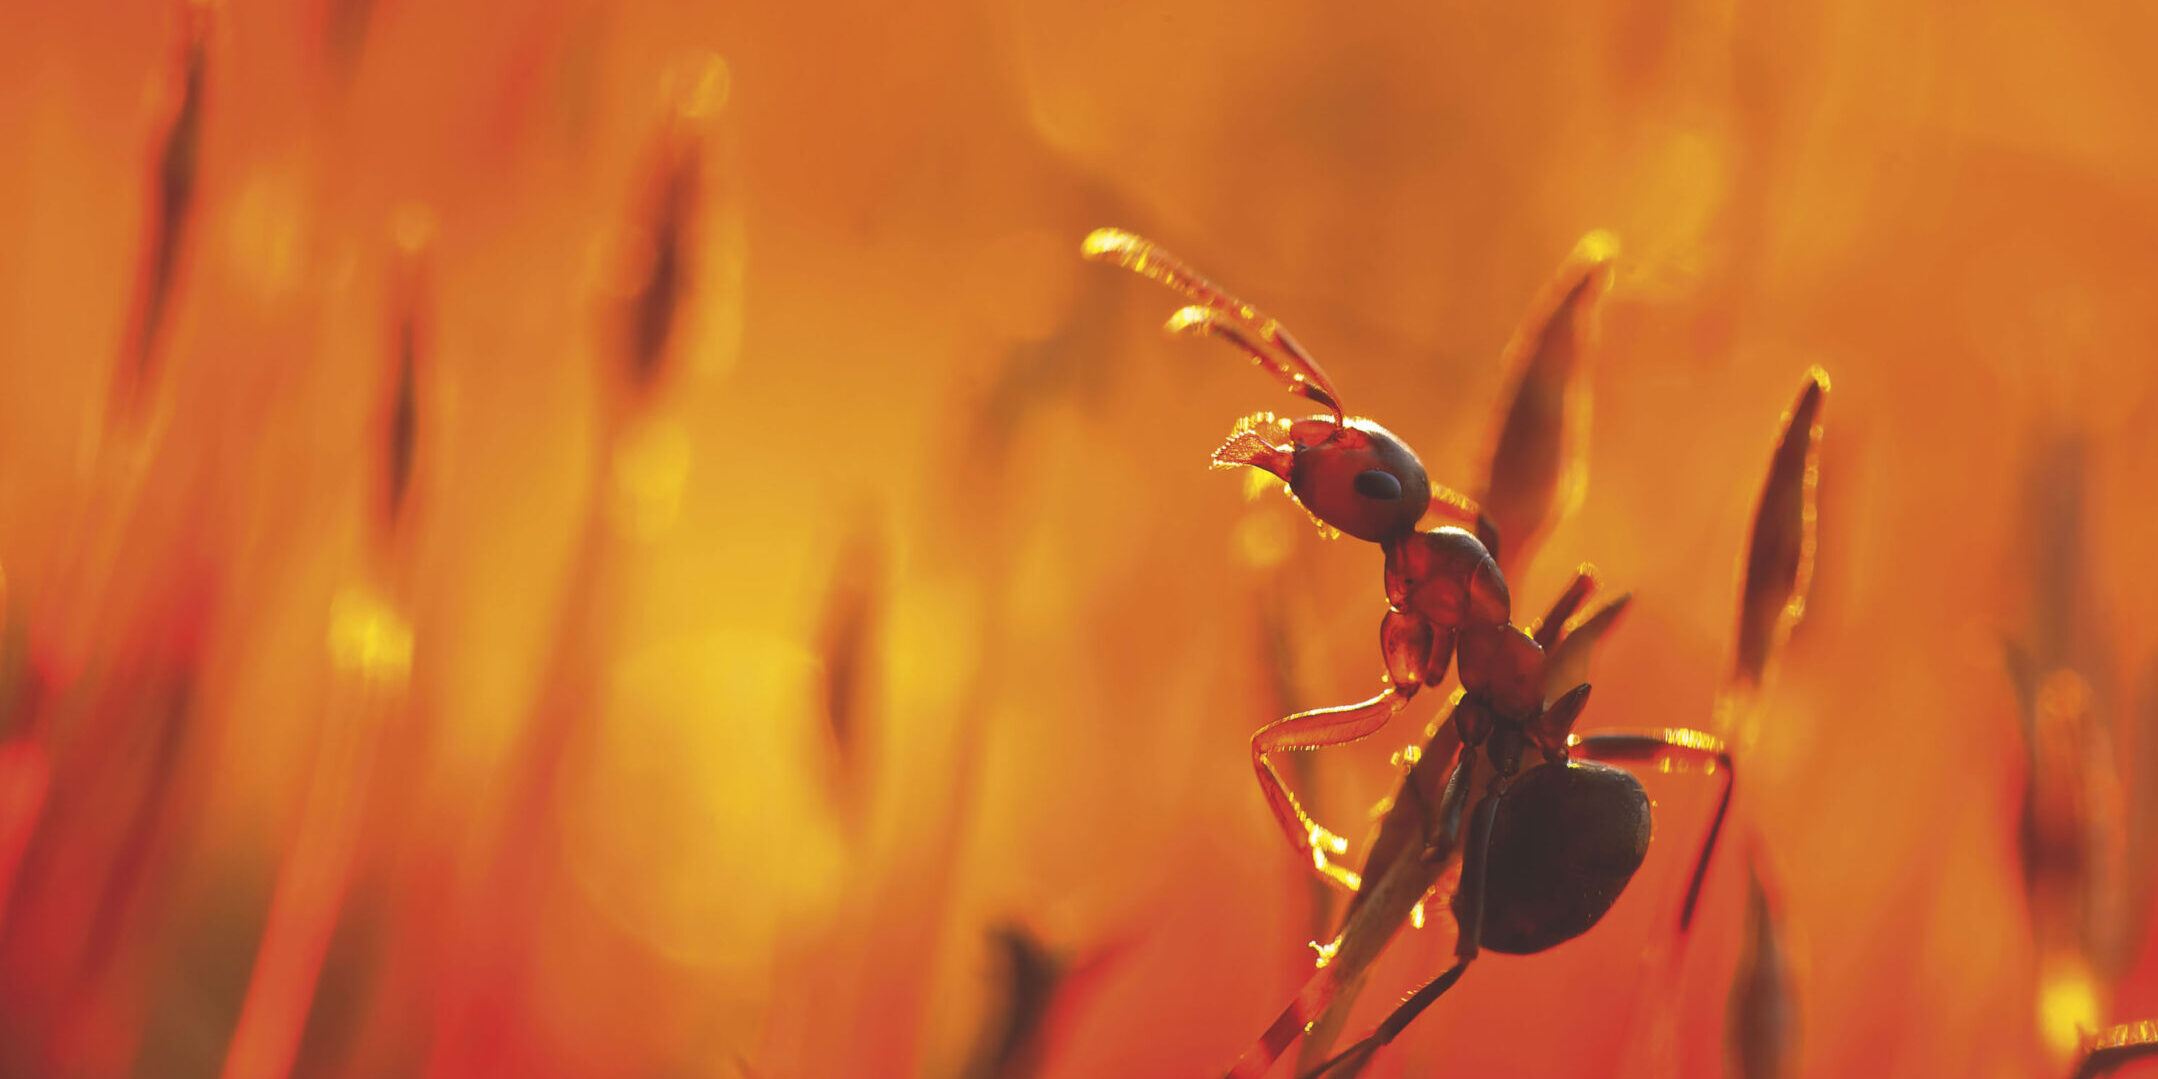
1358,478
1352,475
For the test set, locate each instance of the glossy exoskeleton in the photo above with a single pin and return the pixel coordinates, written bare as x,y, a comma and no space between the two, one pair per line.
1552,837
1563,845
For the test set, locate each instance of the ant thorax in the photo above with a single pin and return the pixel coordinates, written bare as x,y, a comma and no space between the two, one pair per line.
1447,577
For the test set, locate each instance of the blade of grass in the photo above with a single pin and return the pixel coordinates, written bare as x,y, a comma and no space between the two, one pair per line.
1779,557
1538,466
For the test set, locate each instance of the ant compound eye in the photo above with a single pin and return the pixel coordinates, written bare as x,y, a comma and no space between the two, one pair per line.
1378,484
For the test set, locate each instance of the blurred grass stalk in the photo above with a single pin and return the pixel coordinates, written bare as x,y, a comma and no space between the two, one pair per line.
2086,886
1762,1035
370,652
105,680
486,1015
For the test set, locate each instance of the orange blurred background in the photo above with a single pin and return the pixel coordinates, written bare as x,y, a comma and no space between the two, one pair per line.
865,688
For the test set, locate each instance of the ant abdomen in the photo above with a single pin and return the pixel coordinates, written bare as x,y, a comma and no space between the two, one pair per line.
1564,842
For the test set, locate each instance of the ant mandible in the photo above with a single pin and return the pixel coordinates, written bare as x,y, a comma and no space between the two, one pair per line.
1553,837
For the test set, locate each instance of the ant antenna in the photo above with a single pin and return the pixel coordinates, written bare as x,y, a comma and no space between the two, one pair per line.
1218,313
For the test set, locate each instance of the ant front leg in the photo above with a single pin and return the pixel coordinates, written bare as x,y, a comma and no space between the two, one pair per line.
1468,934
1417,654
1311,730
1672,744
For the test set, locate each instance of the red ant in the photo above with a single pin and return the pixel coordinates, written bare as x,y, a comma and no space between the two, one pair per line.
1553,838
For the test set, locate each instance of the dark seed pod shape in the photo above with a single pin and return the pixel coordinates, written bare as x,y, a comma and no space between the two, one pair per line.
1563,845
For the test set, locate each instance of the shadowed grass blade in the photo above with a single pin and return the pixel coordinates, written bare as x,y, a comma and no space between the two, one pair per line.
1779,559
1537,468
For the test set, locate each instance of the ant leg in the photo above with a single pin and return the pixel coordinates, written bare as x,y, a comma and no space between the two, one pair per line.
1420,835
1671,744
1417,654
2115,1046
1562,609
1469,932
1311,730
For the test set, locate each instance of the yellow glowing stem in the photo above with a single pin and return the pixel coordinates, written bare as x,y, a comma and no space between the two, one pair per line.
2067,1007
370,647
